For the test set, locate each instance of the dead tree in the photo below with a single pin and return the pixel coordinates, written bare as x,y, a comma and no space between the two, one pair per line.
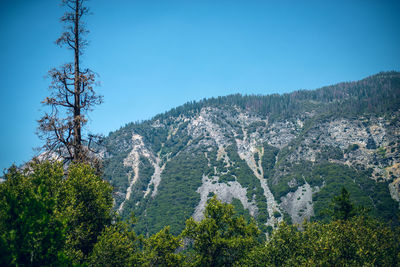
72,92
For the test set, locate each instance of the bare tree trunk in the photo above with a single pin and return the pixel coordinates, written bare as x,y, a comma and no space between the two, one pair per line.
77,109
72,92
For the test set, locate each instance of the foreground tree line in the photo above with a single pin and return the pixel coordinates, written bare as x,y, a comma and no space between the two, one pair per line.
49,218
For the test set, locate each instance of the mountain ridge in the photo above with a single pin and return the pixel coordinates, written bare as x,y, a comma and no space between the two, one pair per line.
274,157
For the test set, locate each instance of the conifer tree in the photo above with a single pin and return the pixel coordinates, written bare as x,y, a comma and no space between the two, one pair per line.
343,208
72,92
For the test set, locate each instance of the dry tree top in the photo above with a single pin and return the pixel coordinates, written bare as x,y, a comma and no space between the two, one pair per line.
72,93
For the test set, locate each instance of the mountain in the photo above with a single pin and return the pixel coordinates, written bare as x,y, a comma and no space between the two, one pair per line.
275,157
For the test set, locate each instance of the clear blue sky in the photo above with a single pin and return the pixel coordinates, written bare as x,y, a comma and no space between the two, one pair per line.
153,55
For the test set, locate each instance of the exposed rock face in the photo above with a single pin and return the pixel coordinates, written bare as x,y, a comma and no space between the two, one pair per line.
299,204
133,161
339,134
342,134
246,150
156,177
226,192
275,166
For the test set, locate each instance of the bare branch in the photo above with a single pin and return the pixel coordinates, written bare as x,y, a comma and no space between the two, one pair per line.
72,94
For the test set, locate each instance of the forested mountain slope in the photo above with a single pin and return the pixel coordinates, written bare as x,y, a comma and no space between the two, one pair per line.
274,157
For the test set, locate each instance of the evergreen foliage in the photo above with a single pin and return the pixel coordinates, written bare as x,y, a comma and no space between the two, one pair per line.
41,224
359,241
221,238
188,158
117,245
31,233
161,250
85,205
377,94
177,197
49,219
343,209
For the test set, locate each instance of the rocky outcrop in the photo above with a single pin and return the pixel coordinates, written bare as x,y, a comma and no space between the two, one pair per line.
278,155
299,203
133,160
226,192
359,143
246,150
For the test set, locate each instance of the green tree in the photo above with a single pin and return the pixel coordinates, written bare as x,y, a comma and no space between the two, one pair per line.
221,238
117,246
160,249
358,241
85,205
349,240
47,218
343,208
30,232
284,246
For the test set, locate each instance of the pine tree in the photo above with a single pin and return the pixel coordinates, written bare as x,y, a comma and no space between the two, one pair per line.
72,93
343,208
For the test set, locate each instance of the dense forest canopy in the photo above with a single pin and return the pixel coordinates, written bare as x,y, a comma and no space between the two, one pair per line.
376,94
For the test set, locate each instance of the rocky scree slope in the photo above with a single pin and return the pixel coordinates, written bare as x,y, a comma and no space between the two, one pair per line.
276,157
